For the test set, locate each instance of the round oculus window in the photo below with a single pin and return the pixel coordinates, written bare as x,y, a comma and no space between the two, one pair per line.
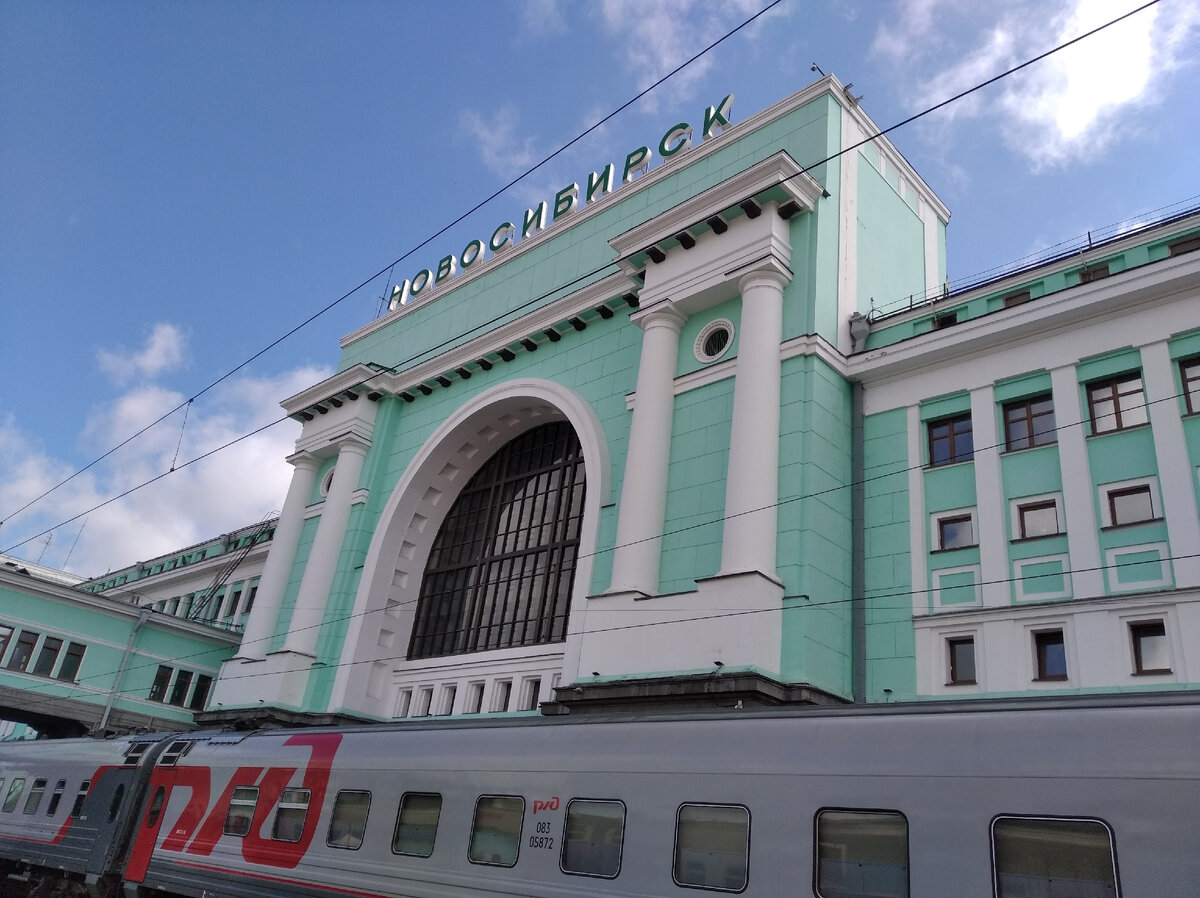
327,481
714,340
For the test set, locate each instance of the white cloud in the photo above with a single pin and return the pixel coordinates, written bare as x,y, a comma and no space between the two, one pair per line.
655,42
501,147
228,489
540,18
1067,108
164,351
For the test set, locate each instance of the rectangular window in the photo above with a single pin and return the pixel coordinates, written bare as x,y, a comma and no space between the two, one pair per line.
200,693
1029,422
502,694
183,682
962,660
449,694
77,807
47,656
712,846
5,636
1051,654
35,796
1151,653
1116,403
72,659
403,702
1037,519
1040,856
862,853
56,797
417,824
241,811
1017,299
1132,505
424,700
592,838
474,699
950,441
14,794
1189,376
1093,273
290,815
1183,245
158,689
349,821
23,650
956,532
532,688
496,830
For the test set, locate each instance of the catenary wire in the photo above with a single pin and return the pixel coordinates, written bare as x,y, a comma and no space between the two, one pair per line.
542,297
537,299
391,265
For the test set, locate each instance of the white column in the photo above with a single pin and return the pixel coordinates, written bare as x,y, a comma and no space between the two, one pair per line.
277,570
990,509
1087,578
1174,470
643,506
327,545
752,481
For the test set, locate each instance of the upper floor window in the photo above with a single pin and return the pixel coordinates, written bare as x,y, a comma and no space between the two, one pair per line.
1151,652
1117,403
1189,375
1050,655
1093,272
1037,518
950,440
1132,505
1029,422
23,650
961,652
957,532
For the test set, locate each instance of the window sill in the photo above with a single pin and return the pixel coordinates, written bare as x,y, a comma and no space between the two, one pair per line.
1033,539
1107,433
950,464
1008,451
962,683
1061,679
953,549
1153,673
1112,527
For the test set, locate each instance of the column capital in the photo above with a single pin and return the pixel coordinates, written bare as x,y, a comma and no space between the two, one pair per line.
661,314
769,269
351,442
303,460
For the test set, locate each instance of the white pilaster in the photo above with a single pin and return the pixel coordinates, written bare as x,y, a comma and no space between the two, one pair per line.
643,506
1083,543
752,482
918,527
277,570
1174,470
327,544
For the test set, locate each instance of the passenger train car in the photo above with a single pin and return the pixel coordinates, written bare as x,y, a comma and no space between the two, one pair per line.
1081,797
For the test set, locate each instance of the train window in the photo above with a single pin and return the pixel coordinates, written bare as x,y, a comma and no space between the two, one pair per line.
496,830
862,853
1044,855
14,794
115,805
241,811
290,814
712,847
35,796
416,824
349,820
56,797
77,807
593,834
156,805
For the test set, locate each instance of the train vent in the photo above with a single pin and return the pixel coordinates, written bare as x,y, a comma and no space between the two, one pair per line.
175,751
133,754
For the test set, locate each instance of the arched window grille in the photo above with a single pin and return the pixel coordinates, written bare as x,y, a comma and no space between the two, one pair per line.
499,574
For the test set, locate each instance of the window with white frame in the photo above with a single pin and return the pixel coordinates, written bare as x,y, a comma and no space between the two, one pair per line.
953,530
1034,516
1130,502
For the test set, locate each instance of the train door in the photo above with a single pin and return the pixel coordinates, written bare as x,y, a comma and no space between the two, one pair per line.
102,810
145,837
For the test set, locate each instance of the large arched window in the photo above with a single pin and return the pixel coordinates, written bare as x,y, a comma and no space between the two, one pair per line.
499,574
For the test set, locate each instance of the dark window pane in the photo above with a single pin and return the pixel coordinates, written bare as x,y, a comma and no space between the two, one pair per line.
496,830
417,824
1051,655
712,846
862,854
1053,857
593,836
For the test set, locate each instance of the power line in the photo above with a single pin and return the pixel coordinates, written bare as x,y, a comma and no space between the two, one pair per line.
386,269
538,299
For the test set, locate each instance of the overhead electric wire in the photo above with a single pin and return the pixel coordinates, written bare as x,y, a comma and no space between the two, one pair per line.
538,299
869,595
391,265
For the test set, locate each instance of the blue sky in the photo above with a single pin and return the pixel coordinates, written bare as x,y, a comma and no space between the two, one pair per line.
183,183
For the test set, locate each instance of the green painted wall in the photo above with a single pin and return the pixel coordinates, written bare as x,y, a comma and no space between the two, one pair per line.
887,587
891,243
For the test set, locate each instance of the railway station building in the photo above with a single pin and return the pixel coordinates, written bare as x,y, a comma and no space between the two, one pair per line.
708,426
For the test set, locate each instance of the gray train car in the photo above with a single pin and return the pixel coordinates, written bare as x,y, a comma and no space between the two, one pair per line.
1072,798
